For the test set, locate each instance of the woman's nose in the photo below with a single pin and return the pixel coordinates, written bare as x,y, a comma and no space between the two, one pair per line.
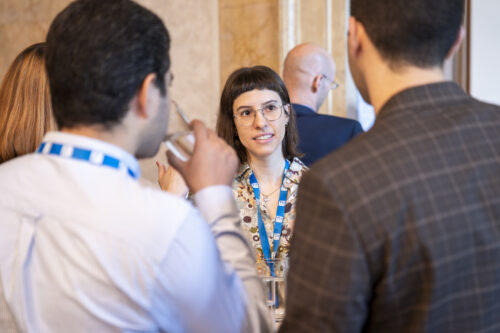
260,121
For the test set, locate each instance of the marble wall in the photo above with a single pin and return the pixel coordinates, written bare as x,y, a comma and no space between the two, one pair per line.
193,27
313,22
22,23
344,97
261,32
249,35
210,39
324,22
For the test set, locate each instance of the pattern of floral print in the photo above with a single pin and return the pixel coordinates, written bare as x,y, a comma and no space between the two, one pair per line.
245,201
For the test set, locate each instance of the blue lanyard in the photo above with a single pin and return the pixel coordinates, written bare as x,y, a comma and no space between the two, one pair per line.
278,222
82,154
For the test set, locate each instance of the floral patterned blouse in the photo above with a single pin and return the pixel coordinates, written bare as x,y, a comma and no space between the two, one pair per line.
245,201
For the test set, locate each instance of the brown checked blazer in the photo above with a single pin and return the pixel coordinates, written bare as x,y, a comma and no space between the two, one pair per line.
399,230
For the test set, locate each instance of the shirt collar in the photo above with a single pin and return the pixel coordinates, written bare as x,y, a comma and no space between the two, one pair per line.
127,161
242,170
292,176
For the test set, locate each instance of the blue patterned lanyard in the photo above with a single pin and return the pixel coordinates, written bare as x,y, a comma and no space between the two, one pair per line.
278,222
82,154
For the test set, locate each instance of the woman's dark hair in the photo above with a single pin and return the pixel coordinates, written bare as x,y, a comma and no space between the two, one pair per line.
247,79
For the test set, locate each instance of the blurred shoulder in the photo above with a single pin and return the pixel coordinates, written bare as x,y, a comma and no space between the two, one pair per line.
18,165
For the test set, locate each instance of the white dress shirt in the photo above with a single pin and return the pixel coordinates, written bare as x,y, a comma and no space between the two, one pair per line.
85,248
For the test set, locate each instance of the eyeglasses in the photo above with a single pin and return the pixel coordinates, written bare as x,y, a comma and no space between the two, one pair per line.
333,85
271,112
180,112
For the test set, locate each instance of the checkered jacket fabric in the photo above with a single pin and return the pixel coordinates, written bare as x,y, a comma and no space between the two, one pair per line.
399,230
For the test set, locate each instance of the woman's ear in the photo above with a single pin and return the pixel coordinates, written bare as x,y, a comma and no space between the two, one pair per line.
287,108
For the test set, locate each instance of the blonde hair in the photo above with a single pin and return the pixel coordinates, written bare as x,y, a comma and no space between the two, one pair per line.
25,105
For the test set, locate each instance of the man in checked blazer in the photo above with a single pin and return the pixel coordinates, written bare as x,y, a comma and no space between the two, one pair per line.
399,231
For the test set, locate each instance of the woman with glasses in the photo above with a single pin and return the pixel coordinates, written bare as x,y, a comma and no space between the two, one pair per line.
257,120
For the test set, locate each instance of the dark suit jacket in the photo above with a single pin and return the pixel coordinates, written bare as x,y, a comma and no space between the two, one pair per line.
399,231
321,134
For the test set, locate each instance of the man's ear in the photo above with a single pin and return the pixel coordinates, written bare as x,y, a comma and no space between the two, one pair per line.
354,37
454,48
143,95
316,84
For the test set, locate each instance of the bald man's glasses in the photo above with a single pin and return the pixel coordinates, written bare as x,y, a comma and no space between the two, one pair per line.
333,85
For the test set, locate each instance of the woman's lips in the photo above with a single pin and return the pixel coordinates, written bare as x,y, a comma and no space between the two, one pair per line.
264,138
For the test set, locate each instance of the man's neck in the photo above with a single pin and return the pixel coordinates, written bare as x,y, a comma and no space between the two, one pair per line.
303,100
267,170
98,132
383,83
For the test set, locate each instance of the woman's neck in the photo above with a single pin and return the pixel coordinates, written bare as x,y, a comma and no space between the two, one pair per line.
268,170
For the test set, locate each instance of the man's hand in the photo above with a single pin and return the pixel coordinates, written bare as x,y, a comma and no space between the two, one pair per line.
213,161
170,180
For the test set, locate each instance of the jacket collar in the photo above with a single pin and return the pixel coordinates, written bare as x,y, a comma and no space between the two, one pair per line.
302,109
420,96
292,176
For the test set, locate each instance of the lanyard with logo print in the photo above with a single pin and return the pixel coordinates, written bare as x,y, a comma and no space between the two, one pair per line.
278,221
89,156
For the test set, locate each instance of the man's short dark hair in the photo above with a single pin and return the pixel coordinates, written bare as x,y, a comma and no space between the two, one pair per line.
99,53
415,32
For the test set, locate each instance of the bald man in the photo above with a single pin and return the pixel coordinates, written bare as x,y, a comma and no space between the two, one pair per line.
308,73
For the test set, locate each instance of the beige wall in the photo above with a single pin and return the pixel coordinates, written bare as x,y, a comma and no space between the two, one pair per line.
193,27
261,32
210,39
22,23
249,35
324,22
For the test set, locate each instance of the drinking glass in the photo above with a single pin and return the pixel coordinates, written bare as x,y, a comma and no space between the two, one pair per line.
273,273
181,143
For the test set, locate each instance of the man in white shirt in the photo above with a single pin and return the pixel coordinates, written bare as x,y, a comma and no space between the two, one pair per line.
83,246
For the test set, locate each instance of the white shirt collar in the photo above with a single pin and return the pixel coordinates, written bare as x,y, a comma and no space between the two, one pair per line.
95,145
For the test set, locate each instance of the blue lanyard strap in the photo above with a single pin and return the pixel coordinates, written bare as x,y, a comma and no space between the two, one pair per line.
278,222
82,154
